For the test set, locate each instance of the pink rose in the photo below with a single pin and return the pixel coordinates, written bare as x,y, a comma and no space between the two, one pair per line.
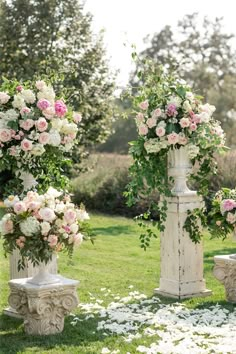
41,124
52,240
44,138
17,137
78,239
7,227
70,216
49,112
151,122
19,207
144,105
77,117
43,104
171,110
25,110
143,129
193,127
183,140
27,124
173,138
26,145
160,131
227,205
5,135
33,205
231,218
60,108
196,118
157,113
184,122
12,151
19,88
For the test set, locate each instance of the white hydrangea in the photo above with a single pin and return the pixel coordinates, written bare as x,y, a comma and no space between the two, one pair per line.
175,100
11,114
30,226
28,96
152,146
193,150
47,93
55,138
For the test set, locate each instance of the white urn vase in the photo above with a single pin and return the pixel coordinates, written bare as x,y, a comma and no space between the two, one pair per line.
179,167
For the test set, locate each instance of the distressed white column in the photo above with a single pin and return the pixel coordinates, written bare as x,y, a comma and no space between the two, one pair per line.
181,259
225,271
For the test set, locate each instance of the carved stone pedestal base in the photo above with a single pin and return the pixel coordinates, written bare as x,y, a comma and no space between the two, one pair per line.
225,271
43,307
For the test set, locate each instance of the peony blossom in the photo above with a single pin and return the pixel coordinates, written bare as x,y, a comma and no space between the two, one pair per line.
227,205
4,97
78,239
60,108
52,240
47,214
5,135
40,85
19,207
70,216
43,104
143,129
45,228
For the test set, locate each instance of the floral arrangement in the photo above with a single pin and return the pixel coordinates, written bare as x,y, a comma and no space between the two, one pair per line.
36,128
222,217
39,225
169,116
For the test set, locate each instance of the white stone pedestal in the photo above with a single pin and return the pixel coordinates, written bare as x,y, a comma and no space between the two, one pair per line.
225,271
28,272
43,307
181,259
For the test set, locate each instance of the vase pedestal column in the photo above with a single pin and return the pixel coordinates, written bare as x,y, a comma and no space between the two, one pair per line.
181,259
43,305
225,271
27,272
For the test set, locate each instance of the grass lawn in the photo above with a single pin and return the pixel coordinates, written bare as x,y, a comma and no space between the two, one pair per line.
115,261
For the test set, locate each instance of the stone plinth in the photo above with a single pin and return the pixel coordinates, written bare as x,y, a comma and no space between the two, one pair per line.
225,271
181,259
27,272
43,307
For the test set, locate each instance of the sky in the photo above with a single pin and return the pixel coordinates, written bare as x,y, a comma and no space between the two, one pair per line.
129,21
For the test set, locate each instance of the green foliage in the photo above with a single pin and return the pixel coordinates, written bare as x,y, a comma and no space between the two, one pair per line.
54,38
202,54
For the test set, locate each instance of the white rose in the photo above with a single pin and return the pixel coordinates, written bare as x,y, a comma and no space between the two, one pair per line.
18,101
186,106
74,228
208,108
82,215
37,150
11,200
189,95
69,128
45,227
28,96
53,193
4,97
59,208
204,117
57,123
47,93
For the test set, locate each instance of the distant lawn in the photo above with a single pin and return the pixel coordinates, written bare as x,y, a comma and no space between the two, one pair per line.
115,261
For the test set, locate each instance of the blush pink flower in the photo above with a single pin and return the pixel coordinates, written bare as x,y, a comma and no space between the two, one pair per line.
40,85
227,205
26,145
144,105
151,122
182,140
196,118
7,227
44,138
27,124
173,138
41,124
70,216
4,97
12,151
25,110
52,240
60,108
19,88
139,118
171,110
160,131
43,104
231,218
19,207
5,135
157,113
20,241
77,117
184,122
78,239
47,214
143,129
49,113
193,127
